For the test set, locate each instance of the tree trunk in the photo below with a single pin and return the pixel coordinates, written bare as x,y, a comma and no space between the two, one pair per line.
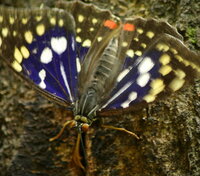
169,130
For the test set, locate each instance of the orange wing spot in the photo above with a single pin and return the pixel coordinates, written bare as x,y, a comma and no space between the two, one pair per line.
110,24
129,27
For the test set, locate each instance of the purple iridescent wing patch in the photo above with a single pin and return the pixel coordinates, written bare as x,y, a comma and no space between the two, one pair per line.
43,50
156,64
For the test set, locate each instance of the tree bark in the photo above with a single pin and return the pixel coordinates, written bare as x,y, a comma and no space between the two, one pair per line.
169,129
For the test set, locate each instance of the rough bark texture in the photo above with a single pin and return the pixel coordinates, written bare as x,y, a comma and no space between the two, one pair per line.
169,129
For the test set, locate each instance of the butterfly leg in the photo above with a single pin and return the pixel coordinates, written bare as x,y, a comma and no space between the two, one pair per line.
121,129
70,123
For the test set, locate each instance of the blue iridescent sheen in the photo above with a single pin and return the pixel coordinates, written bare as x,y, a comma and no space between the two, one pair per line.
131,77
54,81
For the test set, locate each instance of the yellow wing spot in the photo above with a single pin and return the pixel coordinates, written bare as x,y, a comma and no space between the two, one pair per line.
11,20
180,73
24,20
87,43
179,58
28,37
53,20
124,44
140,31
61,22
138,53
195,67
14,33
4,32
165,69
94,20
25,52
165,59
17,55
150,34
91,29
99,39
136,39
17,67
157,86
156,83
40,29
0,41
174,51
78,39
149,98
176,84
1,19
78,30
38,18
143,45
130,53
186,63
80,18
162,47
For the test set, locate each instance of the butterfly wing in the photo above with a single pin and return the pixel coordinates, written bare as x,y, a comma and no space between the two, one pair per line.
157,64
94,30
39,45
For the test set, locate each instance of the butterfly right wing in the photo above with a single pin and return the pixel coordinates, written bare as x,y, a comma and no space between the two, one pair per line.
157,64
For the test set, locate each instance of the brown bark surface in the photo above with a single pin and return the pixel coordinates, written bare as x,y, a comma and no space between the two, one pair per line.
169,129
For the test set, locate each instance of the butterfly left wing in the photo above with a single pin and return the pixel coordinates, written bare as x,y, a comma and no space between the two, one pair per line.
157,64
39,45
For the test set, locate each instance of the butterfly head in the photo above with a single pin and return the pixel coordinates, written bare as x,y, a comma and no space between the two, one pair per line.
82,123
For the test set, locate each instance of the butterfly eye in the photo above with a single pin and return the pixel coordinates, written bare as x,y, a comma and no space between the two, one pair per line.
84,127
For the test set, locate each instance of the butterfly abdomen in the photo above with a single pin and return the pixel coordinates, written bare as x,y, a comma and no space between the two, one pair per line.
90,100
106,65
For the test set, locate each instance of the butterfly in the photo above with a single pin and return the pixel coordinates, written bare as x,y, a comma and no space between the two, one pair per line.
95,64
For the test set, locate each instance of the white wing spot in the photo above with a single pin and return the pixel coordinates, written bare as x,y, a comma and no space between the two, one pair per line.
59,44
78,65
122,74
78,30
87,43
0,41
4,32
120,91
80,18
138,53
130,53
146,65
99,39
143,79
132,96
78,39
42,75
150,34
46,56
73,44
94,20
62,70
